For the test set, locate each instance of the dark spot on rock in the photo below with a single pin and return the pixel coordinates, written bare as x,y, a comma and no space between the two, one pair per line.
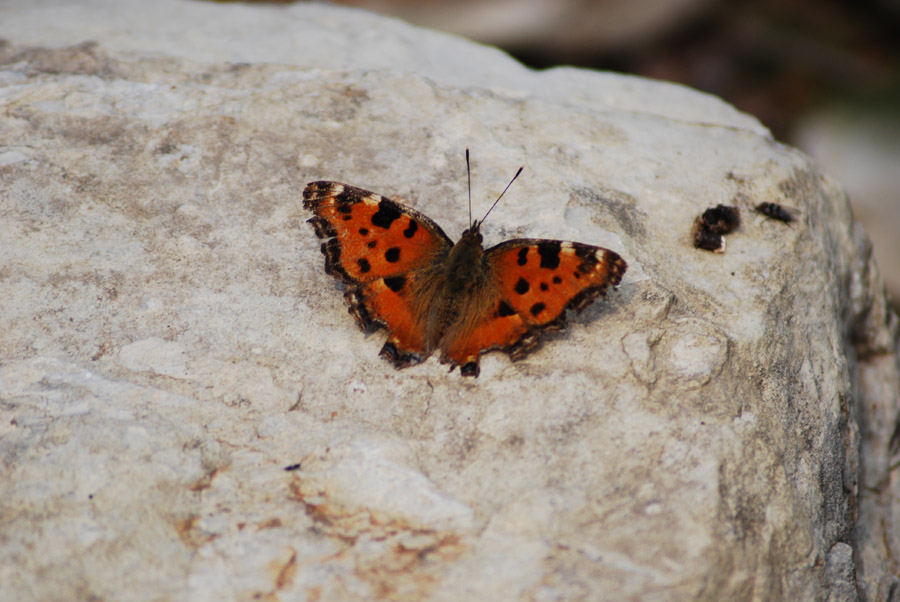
775,211
392,255
469,369
721,219
706,239
522,286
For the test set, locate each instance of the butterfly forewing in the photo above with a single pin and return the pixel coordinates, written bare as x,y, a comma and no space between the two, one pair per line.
370,236
541,279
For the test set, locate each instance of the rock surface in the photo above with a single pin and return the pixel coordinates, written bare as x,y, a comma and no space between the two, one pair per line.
188,412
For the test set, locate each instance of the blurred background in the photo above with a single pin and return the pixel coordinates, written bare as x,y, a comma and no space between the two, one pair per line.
822,75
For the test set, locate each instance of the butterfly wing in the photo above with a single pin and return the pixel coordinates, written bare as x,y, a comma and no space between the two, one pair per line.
376,246
537,281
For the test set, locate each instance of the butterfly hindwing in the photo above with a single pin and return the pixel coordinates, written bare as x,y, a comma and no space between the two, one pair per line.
388,302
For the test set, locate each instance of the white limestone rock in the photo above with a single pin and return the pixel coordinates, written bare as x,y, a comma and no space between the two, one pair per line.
188,412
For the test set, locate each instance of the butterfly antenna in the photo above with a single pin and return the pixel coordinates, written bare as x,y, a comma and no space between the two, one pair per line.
501,194
469,178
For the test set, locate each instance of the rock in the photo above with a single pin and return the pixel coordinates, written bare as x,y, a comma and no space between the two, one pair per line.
856,145
187,410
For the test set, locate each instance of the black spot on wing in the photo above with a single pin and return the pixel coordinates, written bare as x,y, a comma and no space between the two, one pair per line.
504,310
549,251
395,283
523,256
411,229
343,204
537,308
522,286
392,255
363,264
386,215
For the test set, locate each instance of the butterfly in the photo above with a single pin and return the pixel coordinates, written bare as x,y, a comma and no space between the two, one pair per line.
431,294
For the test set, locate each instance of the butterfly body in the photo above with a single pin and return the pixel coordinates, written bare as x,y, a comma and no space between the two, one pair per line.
405,274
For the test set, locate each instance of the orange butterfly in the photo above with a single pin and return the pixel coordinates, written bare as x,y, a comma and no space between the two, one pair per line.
405,274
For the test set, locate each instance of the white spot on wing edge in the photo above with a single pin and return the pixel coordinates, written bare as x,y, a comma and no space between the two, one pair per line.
373,198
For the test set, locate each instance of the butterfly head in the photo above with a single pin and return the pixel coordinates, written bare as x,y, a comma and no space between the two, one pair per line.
466,256
473,233
471,240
